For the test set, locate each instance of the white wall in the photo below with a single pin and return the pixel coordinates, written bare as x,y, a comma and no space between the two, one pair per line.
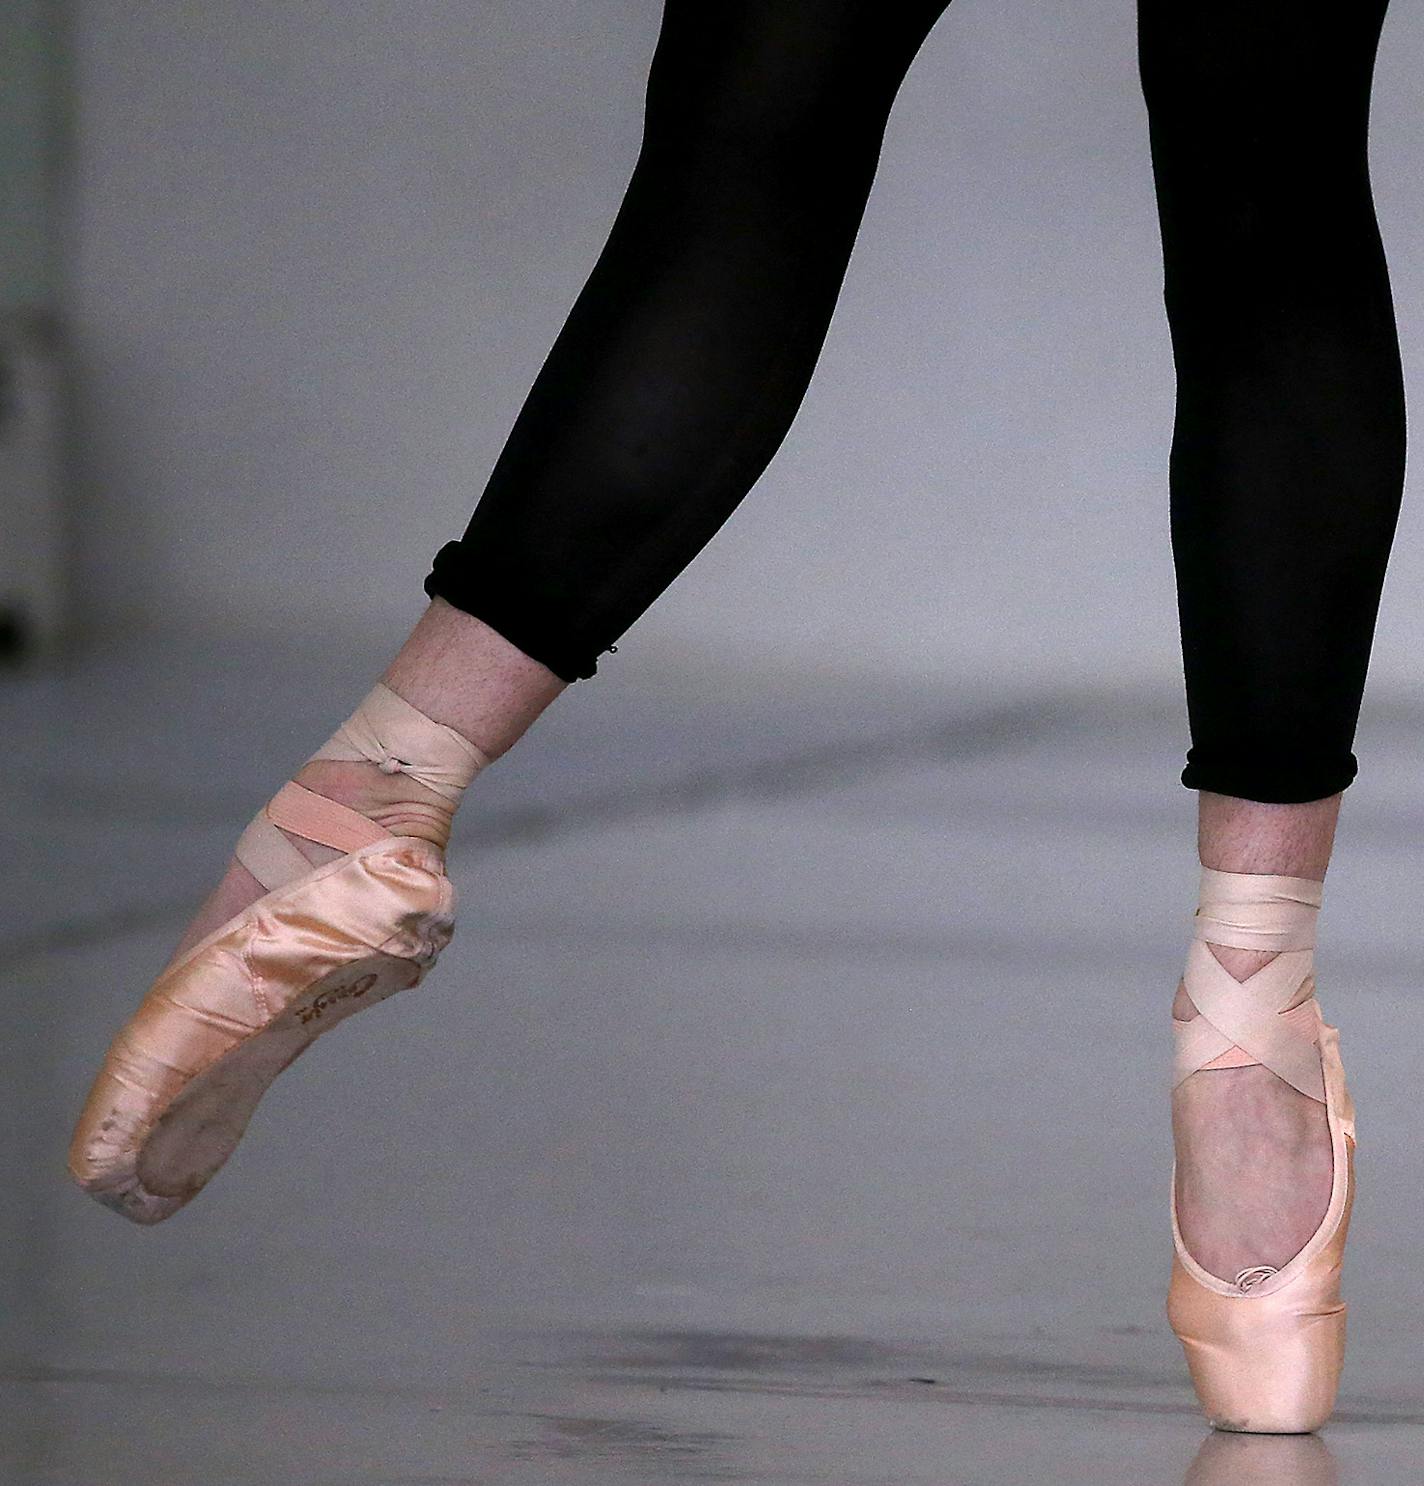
322,249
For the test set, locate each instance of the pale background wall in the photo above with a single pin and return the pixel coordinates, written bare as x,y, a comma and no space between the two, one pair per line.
320,251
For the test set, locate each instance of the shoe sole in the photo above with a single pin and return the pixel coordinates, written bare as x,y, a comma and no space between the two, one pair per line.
202,1125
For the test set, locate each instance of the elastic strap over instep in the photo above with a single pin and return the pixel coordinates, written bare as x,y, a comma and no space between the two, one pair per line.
388,731
268,855
306,813
1271,1017
271,857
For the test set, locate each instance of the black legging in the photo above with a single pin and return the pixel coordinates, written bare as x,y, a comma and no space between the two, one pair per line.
687,354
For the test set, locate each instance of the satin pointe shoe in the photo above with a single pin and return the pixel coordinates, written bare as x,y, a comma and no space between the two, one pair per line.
184,1075
1265,1349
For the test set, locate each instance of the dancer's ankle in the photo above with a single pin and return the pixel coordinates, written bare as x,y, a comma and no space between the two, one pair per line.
396,766
464,674
401,804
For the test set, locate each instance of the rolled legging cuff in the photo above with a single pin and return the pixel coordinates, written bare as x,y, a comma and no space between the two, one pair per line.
509,613
1294,782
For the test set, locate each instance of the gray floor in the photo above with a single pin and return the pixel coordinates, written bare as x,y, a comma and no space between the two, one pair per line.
788,1108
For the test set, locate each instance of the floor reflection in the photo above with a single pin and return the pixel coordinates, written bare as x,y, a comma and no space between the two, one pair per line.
1263,1460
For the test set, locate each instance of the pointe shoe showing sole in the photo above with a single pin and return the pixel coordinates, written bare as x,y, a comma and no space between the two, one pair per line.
1265,1351
183,1077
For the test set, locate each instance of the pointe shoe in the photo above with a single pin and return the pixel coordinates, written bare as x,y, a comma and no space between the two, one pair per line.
1265,1351
184,1075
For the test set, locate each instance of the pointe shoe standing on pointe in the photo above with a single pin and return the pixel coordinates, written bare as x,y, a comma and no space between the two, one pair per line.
1266,1349
183,1076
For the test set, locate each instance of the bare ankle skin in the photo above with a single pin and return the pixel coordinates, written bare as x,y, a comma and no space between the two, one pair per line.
1248,836
459,671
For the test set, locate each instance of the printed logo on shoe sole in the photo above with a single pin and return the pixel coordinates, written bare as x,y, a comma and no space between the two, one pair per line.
324,1002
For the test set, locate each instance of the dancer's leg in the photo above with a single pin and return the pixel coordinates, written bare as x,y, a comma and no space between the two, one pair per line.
1286,475
675,379
689,350
672,384
1288,455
